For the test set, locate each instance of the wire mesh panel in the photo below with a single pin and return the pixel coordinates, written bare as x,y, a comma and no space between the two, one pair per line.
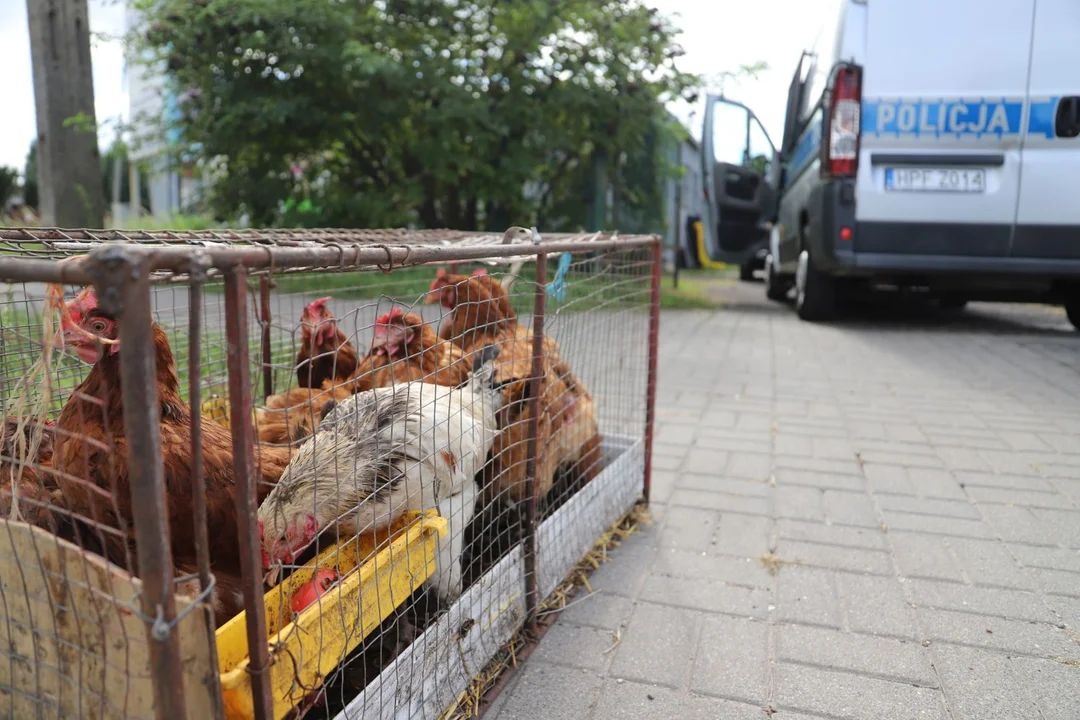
356,466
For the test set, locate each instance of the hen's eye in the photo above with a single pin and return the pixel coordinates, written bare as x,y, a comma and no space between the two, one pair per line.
99,326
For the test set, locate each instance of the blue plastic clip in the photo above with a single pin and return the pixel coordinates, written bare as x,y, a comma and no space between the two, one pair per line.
557,287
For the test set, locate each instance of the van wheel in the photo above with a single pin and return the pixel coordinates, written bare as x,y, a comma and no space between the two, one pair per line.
776,287
746,271
1072,311
815,292
952,302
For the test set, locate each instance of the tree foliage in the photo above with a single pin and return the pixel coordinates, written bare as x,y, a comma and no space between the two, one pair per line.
9,185
439,113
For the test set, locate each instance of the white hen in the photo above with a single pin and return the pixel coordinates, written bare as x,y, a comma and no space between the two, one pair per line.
380,453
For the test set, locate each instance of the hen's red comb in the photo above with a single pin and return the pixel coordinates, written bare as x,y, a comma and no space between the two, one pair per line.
81,304
387,318
318,304
479,272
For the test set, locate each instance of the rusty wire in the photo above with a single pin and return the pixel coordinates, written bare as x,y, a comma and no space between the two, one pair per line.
601,327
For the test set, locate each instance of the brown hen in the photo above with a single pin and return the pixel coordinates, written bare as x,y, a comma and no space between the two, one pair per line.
325,353
91,454
405,349
480,313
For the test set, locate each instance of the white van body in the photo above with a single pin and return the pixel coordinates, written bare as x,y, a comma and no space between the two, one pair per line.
961,122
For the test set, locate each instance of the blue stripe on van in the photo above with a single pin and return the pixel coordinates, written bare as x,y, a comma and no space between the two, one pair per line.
807,148
938,118
1041,117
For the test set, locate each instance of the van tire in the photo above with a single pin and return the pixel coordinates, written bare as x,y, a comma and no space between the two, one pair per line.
776,287
1072,310
952,302
815,292
746,271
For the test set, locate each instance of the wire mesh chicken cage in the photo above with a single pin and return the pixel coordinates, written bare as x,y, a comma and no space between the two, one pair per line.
319,473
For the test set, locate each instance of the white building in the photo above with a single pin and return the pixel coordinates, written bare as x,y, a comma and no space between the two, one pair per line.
151,100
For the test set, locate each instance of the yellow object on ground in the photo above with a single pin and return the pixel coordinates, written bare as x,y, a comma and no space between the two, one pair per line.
307,648
702,255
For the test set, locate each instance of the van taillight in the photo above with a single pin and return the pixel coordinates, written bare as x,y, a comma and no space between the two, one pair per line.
844,111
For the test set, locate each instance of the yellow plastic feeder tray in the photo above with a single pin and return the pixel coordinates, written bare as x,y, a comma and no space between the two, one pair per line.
305,649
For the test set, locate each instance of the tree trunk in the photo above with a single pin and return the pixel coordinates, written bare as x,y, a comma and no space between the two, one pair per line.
69,167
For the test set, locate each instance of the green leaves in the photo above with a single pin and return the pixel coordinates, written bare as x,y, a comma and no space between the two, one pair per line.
461,114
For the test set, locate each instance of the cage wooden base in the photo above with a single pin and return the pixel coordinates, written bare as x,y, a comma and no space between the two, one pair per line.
73,649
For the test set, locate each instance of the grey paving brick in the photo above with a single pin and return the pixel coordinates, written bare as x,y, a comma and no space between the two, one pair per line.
793,501
732,441
628,566
1067,610
871,538
1046,557
1019,525
1016,636
926,556
844,695
689,528
657,645
836,557
1005,482
832,448
929,506
823,469
733,660
707,500
1053,685
806,595
876,457
1027,498
548,692
789,476
1062,524
742,535
752,466
795,445
717,419
701,460
734,570
599,610
876,605
990,563
937,524
850,508
890,658
709,595
638,701
1070,488
1061,582
1012,463
663,483
999,602
963,458
580,647
981,684
731,486
666,462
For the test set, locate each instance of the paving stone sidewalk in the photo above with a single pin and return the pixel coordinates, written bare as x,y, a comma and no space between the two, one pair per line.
851,521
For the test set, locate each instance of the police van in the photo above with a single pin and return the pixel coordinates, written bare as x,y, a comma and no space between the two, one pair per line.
927,144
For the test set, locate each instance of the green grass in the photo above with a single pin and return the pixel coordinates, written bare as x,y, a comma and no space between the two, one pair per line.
604,290
690,295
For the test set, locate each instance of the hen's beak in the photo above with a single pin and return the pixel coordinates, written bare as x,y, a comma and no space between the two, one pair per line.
272,575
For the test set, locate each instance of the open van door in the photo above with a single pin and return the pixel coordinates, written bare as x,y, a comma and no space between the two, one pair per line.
740,169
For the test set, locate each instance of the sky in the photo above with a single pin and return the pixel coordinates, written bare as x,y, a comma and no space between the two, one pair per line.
717,35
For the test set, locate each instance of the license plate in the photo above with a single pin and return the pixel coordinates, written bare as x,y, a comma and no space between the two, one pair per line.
967,180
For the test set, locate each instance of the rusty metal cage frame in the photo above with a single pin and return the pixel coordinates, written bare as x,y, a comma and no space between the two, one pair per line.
123,265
